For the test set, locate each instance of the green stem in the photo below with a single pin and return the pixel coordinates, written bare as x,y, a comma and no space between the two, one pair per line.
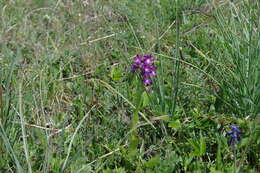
177,63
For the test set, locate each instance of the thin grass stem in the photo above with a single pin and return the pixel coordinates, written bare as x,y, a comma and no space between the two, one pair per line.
25,144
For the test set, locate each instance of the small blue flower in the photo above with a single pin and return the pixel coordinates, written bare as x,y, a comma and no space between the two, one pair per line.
234,135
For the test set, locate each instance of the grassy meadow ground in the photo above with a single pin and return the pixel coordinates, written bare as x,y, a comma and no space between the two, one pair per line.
70,103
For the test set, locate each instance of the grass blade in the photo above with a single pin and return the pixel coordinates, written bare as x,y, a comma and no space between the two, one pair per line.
25,144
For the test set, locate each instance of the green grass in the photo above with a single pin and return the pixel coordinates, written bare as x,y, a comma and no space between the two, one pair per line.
69,102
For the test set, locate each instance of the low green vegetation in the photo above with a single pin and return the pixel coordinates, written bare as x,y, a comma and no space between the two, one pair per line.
76,95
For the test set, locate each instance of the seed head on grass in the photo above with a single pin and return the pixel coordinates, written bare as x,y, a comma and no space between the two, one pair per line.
144,64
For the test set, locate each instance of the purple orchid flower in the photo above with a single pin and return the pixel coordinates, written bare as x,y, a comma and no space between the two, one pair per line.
145,66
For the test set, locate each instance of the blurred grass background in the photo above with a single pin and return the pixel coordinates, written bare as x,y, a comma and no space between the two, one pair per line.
67,94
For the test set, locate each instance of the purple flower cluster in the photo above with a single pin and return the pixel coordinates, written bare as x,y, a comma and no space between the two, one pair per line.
235,136
145,65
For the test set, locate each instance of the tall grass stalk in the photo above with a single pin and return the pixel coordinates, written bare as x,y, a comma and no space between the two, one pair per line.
240,37
177,63
48,156
10,149
25,144
5,104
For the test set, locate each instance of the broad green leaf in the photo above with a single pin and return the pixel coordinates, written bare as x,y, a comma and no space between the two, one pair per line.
153,162
244,142
132,150
145,99
195,146
120,170
202,145
219,156
213,170
175,124
107,171
116,73
187,162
